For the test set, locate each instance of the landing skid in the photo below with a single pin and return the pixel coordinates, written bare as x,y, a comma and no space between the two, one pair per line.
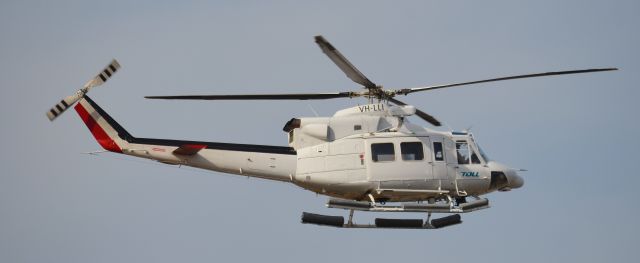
352,206
338,221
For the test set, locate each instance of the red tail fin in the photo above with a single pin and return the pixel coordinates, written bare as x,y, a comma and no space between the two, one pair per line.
101,125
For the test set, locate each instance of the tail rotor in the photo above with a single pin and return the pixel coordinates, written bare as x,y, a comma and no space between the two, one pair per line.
98,80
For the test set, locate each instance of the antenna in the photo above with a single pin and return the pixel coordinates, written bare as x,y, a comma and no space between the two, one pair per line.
313,110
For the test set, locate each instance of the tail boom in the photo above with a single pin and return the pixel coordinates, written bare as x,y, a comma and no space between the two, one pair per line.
268,162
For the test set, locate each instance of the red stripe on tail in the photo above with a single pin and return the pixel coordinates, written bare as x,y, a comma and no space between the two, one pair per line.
101,136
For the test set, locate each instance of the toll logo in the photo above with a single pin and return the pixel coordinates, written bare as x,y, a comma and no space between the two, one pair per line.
470,174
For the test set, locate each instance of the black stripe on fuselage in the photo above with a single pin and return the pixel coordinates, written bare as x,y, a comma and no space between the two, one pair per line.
123,134
219,146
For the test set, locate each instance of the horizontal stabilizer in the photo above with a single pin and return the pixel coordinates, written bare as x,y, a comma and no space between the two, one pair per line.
189,149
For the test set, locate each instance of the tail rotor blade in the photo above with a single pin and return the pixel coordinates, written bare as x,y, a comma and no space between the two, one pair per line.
104,75
63,105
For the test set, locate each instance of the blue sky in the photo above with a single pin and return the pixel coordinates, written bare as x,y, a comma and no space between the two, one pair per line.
575,134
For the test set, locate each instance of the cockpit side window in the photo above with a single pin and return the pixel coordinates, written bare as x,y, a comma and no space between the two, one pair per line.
382,152
474,152
462,148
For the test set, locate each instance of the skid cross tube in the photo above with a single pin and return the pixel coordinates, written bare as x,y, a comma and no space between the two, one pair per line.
410,207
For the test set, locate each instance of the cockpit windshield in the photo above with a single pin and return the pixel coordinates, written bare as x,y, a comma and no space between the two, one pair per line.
467,150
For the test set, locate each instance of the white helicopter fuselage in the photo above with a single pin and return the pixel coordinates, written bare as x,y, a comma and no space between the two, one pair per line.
360,152
373,149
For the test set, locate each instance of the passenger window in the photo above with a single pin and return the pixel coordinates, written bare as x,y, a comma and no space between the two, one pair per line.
411,151
462,148
437,151
382,152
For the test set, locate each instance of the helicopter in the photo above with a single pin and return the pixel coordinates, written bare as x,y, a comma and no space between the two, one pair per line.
368,157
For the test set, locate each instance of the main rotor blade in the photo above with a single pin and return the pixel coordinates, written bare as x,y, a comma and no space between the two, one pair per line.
553,73
351,71
423,115
308,96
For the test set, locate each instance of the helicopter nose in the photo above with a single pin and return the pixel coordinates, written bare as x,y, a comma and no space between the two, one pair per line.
515,180
505,178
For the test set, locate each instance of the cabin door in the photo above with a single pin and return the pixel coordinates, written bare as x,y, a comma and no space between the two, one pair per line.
438,159
398,159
